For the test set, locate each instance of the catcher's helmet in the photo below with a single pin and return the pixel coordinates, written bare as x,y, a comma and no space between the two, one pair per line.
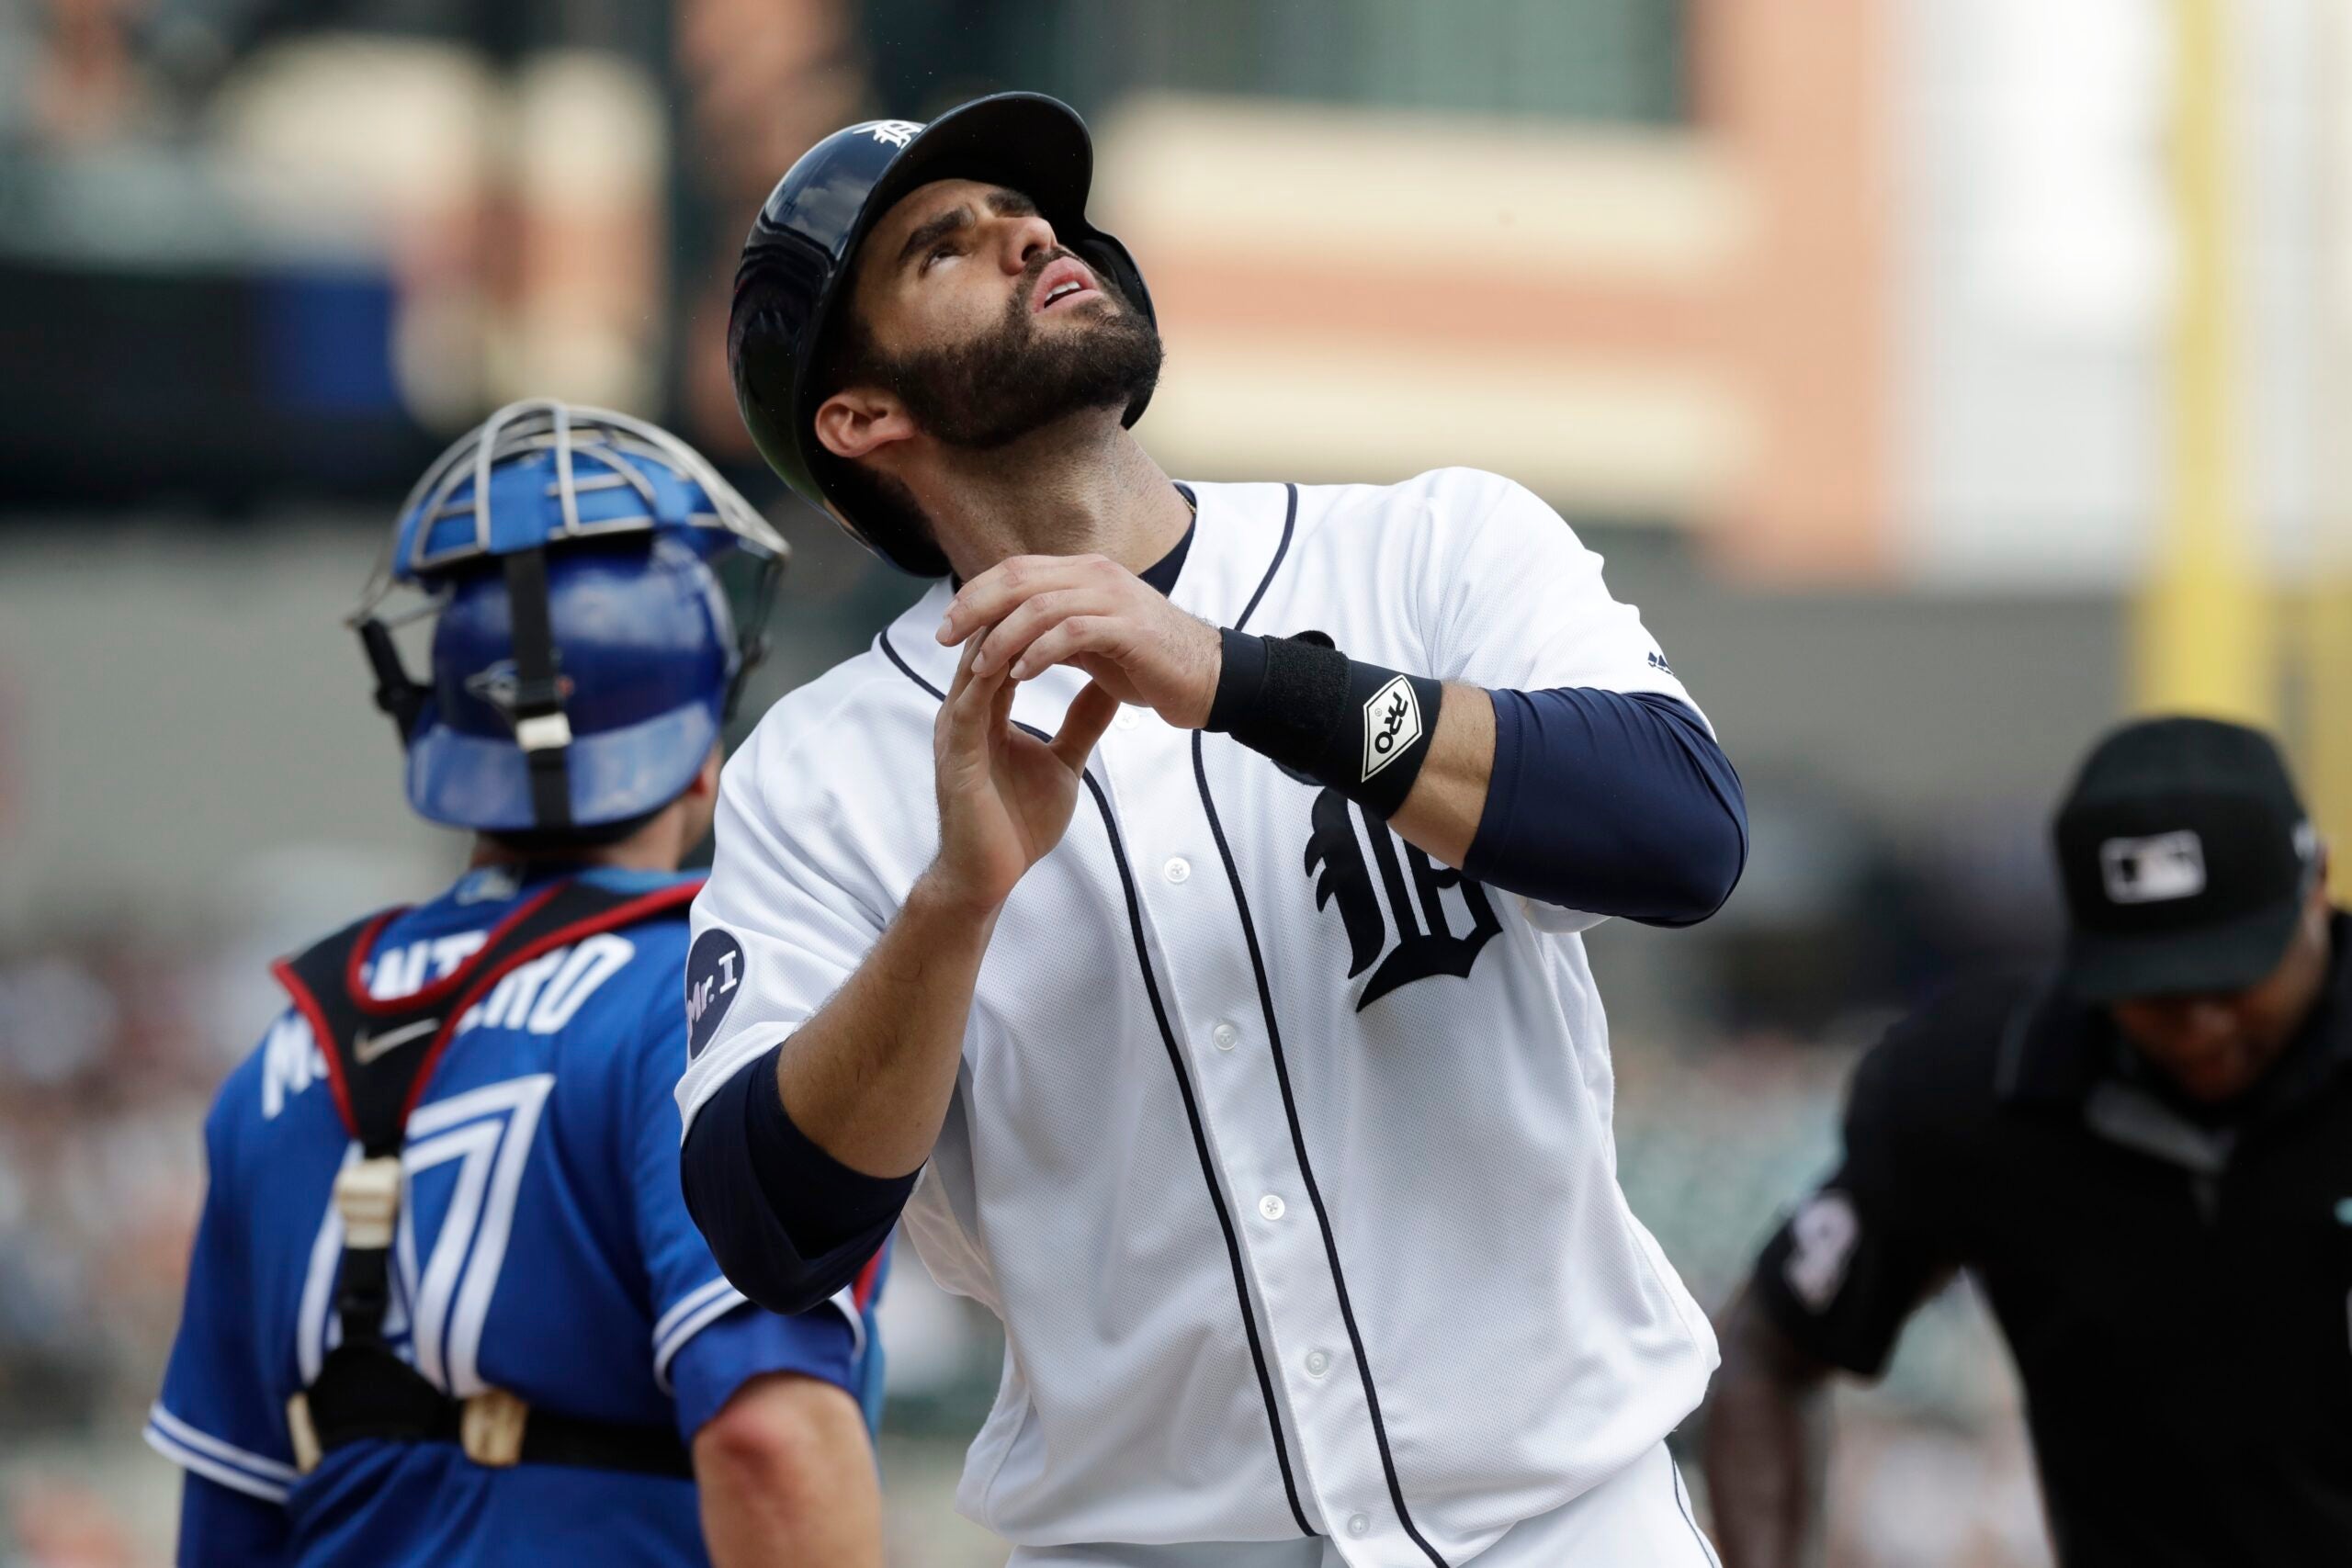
798,262
584,656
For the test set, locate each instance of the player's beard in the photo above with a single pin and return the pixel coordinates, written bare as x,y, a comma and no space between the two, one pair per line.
1014,379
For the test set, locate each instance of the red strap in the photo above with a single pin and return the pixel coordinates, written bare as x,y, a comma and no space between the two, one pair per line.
862,1289
322,1037
476,982
626,914
362,998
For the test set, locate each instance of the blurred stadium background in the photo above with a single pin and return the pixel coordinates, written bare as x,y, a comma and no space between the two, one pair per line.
1943,378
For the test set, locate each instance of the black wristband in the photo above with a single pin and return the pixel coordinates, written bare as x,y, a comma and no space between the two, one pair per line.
1326,718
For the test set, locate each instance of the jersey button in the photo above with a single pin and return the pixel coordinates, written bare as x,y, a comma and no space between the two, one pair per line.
1271,1206
1318,1363
1225,1036
1359,1524
1177,869
1128,718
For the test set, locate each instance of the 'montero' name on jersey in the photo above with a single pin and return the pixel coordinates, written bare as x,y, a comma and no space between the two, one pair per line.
537,998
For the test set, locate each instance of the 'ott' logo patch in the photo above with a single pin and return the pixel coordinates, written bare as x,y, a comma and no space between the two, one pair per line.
1392,722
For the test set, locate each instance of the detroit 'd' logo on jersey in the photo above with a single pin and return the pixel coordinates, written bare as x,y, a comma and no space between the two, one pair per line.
1392,904
714,975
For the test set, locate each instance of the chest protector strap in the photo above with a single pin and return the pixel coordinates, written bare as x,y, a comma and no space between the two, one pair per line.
381,1055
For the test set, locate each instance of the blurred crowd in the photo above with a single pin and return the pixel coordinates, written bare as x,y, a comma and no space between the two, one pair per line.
105,1067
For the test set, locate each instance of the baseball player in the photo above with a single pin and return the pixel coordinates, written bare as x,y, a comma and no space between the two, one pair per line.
1174,915
2144,1155
447,1305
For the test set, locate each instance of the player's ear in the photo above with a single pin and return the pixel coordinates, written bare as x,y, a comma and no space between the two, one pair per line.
858,421
705,783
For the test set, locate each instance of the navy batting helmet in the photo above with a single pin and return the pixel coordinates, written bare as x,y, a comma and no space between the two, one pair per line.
797,264
584,654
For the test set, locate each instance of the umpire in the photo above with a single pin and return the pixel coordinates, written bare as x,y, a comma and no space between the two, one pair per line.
2145,1158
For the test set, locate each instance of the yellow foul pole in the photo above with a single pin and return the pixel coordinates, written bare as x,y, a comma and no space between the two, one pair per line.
2202,629
2326,752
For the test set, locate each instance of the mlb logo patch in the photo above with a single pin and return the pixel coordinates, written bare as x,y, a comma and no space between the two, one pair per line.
2153,869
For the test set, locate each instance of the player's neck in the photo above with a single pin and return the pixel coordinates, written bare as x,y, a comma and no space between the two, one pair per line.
1084,487
657,846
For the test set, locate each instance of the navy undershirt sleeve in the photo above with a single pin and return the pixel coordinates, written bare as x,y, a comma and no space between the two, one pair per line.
1614,803
788,1224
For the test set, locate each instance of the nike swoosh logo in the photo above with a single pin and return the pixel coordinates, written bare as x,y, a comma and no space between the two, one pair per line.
367,1047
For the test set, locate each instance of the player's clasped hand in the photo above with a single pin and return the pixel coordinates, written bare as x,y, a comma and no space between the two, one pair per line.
1036,612
1005,796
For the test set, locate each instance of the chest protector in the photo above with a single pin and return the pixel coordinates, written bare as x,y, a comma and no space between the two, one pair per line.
379,1056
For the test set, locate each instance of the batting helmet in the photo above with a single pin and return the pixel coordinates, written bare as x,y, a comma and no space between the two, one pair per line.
584,655
797,264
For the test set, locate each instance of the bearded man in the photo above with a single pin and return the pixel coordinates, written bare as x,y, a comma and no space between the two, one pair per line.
1267,1103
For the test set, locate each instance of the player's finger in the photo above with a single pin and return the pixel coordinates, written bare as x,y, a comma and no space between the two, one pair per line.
990,596
969,710
1002,643
1000,705
941,724
1090,713
962,675
1065,641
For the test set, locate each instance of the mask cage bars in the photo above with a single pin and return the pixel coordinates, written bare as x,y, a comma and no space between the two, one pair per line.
578,436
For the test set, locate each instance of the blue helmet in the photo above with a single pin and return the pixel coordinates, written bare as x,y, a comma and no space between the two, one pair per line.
584,654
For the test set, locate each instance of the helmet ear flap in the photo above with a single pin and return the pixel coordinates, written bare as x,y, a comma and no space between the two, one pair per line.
747,638
755,652
1108,257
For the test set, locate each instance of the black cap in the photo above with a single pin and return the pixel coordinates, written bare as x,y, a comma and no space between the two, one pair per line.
2186,854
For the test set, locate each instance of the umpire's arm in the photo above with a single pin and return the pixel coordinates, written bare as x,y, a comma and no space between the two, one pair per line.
1766,1448
1831,1291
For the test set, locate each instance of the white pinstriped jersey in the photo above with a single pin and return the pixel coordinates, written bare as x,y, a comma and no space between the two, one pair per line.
1283,1152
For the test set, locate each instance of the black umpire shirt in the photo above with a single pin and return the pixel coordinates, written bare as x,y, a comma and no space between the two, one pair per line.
2177,1287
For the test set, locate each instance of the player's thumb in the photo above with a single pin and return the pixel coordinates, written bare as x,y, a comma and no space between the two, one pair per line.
1090,715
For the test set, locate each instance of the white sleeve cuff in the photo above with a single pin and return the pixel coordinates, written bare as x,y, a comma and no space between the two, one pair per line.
706,1305
201,1453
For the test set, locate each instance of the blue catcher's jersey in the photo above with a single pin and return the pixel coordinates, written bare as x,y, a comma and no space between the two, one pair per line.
544,1249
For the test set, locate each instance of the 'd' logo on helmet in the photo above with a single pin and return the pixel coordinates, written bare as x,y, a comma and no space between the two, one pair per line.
890,133
497,684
